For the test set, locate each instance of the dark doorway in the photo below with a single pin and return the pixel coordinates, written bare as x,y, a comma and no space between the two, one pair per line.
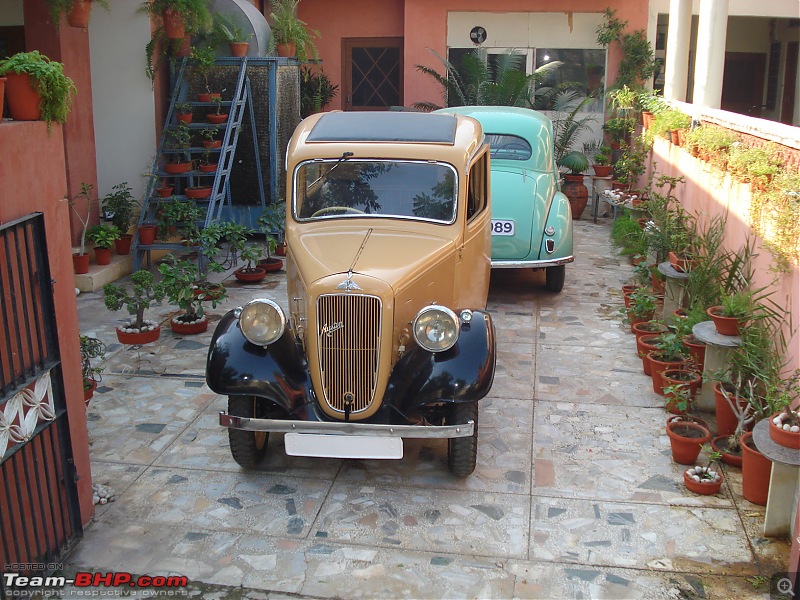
789,83
743,83
373,73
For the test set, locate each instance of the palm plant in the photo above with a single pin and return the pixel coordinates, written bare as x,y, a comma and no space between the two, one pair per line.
480,83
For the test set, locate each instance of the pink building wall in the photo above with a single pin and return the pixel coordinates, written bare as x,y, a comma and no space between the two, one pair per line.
423,25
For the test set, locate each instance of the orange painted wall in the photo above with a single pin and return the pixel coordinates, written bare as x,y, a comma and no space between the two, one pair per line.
70,46
33,147
423,24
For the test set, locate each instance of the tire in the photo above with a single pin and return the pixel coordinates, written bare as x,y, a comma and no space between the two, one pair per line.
554,278
462,453
248,448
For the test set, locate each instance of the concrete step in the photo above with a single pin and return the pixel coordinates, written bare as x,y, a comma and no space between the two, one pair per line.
99,275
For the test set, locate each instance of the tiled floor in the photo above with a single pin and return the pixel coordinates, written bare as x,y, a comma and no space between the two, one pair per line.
575,494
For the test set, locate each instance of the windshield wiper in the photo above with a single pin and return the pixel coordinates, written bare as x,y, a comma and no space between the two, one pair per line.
345,156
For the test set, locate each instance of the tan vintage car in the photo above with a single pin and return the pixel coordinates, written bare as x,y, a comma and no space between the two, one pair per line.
387,336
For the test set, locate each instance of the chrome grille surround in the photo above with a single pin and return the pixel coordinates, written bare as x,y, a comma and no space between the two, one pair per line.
349,333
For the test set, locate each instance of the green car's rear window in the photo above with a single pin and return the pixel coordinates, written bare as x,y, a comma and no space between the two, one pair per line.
508,147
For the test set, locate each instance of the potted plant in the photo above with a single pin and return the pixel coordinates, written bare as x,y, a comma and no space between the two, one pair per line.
179,216
643,307
91,348
217,117
732,313
227,30
183,112
209,138
80,260
208,164
37,88
316,91
180,16
203,62
575,162
103,237
669,354
273,223
619,130
180,280
120,203
631,165
141,296
290,35
784,425
685,439
678,398
250,273
602,161
77,11
180,140
705,480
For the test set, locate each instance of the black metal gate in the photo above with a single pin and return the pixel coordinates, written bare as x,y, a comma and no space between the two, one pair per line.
39,511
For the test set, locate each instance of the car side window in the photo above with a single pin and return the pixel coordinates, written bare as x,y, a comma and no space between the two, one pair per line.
478,191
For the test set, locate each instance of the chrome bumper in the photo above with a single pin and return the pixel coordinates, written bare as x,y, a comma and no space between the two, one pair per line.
349,428
530,264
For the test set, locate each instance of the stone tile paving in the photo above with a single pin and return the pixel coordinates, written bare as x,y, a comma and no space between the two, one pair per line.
575,494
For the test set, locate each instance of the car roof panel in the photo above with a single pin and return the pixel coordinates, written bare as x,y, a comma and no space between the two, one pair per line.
396,127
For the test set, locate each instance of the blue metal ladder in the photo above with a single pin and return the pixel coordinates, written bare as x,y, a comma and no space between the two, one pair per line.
240,102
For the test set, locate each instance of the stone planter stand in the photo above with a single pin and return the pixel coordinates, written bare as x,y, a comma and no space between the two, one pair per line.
784,483
674,290
718,350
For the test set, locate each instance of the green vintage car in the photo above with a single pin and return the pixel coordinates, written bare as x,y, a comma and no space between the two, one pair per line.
531,218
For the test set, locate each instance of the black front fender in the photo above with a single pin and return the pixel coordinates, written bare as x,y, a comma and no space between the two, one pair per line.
235,367
462,374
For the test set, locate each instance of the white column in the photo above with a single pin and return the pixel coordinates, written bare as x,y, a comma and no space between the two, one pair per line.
709,65
679,35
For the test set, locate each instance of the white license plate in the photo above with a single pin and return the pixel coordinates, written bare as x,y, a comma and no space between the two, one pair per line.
343,446
500,227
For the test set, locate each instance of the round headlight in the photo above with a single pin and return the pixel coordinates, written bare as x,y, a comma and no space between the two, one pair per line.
262,322
436,328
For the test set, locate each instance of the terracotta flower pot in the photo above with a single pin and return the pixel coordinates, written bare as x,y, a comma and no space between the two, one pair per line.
756,472
198,192
165,191
216,119
174,24
208,97
787,438
577,194
726,418
634,320
209,291
2,94
145,337
648,327
147,234
288,50
658,366
238,49
270,265
619,185
78,15
705,488
184,117
644,345
685,439
23,99
720,444
680,264
123,244
89,386
176,168
697,351
680,377
188,327
212,144
687,417
724,325
603,170
280,250
80,263
210,168
253,275
102,256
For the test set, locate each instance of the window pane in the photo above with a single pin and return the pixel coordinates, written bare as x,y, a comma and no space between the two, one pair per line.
508,147
582,70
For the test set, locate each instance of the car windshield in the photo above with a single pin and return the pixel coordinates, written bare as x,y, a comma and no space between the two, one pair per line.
508,147
355,188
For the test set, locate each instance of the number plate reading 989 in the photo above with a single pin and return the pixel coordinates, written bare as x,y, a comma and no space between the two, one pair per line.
500,227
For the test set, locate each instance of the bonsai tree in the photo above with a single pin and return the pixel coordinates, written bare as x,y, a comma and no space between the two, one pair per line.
91,348
47,77
142,295
102,235
631,164
182,215
202,62
288,29
273,223
180,287
316,91
180,140
250,254
120,202
85,194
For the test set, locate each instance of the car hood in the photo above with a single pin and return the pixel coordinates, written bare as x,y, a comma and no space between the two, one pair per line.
523,197
390,254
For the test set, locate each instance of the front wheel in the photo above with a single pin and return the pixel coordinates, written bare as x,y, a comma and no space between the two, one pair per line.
554,278
462,453
247,447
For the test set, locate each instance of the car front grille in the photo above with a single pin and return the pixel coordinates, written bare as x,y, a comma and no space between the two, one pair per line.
349,330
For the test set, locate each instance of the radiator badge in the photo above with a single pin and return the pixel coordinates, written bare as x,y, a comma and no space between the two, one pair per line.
329,330
348,285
